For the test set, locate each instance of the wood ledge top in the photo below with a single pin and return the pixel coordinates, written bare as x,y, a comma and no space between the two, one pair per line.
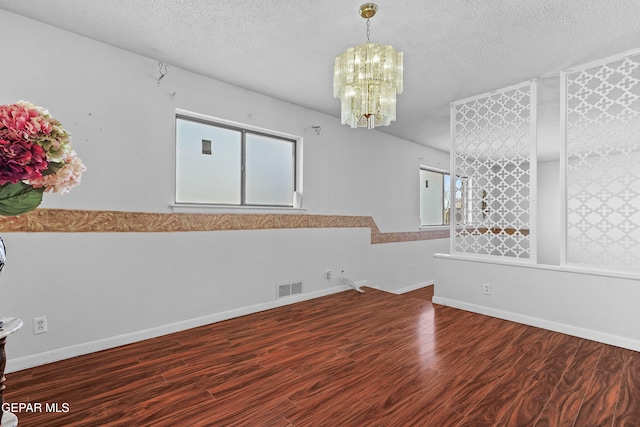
77,221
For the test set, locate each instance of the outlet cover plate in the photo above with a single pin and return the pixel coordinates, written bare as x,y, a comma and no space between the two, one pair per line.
486,289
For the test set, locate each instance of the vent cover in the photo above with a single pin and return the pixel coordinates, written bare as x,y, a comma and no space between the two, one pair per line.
287,289
284,290
296,288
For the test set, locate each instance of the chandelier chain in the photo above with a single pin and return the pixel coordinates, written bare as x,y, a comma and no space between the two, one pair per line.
368,30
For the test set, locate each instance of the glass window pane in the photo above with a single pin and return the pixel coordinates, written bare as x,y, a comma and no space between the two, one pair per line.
270,170
202,177
447,199
431,197
462,203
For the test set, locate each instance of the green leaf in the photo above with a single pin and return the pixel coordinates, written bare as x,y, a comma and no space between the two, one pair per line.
53,167
19,198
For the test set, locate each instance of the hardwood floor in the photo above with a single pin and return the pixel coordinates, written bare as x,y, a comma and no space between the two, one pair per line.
349,359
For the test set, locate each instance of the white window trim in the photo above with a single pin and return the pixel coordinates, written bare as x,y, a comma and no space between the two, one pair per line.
221,208
435,227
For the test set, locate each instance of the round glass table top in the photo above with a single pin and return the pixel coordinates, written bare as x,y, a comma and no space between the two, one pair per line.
9,326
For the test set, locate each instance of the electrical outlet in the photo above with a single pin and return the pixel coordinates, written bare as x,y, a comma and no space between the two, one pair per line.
328,274
40,325
486,289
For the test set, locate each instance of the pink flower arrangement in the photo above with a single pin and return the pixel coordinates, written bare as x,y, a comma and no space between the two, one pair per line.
35,156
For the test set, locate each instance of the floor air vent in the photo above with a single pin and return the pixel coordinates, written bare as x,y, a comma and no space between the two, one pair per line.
288,289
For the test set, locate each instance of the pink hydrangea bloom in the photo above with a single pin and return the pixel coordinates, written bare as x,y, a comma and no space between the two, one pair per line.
65,179
22,117
35,149
21,160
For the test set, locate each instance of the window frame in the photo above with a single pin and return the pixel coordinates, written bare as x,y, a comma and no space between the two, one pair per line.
244,129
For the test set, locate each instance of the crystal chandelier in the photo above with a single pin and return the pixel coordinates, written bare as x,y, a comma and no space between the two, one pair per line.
367,78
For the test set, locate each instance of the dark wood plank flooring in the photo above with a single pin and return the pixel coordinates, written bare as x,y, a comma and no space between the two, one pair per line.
349,359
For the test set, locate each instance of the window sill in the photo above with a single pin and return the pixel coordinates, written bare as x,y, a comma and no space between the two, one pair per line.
434,227
197,208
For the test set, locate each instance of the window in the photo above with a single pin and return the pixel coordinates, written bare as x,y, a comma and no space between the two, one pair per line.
435,197
224,164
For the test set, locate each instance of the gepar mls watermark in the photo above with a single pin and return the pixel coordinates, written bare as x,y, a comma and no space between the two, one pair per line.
49,407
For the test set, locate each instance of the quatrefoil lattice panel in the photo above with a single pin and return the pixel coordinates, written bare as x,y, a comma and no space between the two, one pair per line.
493,153
602,163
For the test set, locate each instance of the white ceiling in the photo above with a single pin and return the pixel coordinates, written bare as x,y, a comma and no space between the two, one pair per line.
453,49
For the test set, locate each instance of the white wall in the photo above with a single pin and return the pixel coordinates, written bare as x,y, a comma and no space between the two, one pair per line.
104,289
591,306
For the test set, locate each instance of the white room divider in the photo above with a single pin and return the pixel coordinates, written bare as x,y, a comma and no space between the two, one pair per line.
601,163
594,293
494,161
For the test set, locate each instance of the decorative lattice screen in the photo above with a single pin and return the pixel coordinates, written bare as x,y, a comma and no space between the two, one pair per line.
602,163
493,159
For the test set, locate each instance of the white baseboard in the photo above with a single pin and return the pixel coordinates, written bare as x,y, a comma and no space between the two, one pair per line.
413,287
576,331
68,352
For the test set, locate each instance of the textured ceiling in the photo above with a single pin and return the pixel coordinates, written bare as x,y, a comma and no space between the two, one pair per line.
453,49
